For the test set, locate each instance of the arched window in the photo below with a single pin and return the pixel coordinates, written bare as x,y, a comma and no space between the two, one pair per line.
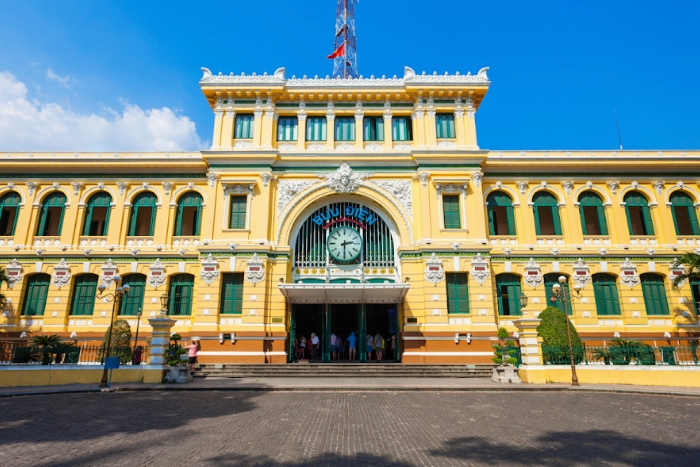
232,293
508,292
684,216
638,214
592,214
84,289
549,281
181,290
9,208
51,215
189,214
35,294
133,301
546,214
97,215
654,294
143,215
500,210
605,290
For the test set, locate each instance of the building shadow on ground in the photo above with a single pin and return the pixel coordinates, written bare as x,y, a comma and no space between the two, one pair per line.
571,448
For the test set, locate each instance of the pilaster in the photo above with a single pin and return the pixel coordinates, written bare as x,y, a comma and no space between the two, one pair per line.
257,128
460,128
530,342
301,130
388,136
330,130
430,130
359,133
218,122
160,339
227,129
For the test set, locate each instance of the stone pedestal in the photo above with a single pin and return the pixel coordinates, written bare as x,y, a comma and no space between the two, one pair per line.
180,374
530,342
160,339
505,374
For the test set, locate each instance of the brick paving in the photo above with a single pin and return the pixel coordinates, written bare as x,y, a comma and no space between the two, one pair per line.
349,429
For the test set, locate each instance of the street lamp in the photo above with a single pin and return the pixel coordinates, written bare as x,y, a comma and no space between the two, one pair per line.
164,305
116,297
523,301
136,339
558,293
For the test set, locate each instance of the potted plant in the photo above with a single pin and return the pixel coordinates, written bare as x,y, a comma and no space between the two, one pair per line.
178,371
505,351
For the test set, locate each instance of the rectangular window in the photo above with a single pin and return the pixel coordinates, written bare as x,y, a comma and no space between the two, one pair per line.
287,129
401,129
345,129
232,293
133,301
316,129
450,211
244,126
35,297
457,293
445,124
83,296
237,216
373,129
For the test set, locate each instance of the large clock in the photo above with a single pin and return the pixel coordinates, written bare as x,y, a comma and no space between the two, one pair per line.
344,244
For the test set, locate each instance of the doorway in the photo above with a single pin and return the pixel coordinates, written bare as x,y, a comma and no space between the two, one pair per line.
305,320
382,320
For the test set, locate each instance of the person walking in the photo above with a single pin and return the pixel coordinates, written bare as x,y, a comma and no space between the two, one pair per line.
369,347
192,355
314,346
378,345
352,345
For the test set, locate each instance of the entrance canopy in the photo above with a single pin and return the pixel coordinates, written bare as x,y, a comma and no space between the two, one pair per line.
344,293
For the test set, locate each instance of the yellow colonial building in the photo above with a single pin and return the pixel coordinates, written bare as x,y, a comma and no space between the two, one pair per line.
348,205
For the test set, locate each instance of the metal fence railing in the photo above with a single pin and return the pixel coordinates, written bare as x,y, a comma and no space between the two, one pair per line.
14,353
635,354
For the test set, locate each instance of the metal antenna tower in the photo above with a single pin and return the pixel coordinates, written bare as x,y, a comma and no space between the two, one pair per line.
345,64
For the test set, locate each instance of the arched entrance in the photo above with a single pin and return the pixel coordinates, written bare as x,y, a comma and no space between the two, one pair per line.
345,285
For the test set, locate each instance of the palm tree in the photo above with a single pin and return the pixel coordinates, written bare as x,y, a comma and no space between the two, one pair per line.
45,345
3,278
692,263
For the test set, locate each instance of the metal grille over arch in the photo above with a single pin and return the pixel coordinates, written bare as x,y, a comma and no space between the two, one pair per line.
377,256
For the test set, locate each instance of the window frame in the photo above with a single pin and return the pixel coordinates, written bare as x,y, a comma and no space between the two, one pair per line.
46,204
133,302
36,283
312,129
633,199
370,121
494,200
283,128
185,283
230,212
395,130
689,205
610,305
549,281
235,280
452,213
92,203
10,200
457,293
513,285
591,199
655,295
83,296
345,129
546,199
239,126
445,125
186,197
134,211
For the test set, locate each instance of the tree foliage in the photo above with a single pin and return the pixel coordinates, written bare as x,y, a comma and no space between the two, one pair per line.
552,328
121,341
505,350
692,263
6,279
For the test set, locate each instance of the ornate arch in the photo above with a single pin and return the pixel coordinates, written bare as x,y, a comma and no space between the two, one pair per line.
55,187
6,189
95,189
544,186
635,187
310,199
145,187
597,189
680,186
505,189
184,189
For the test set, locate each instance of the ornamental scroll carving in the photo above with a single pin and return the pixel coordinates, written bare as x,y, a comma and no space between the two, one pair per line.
345,180
210,269
628,274
442,188
156,277
434,271
288,190
255,271
533,274
14,273
61,274
399,189
238,189
480,269
582,273
109,270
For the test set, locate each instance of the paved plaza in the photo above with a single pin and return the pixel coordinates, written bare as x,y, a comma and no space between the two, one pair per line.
217,428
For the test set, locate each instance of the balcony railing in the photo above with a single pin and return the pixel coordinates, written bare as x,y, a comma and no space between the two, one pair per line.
93,241
139,241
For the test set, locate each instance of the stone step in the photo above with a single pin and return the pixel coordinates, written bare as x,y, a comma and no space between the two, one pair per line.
343,370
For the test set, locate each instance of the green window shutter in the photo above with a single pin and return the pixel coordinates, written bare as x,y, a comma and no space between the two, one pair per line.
457,293
508,291
41,228
178,220
9,204
244,126
511,220
133,301
401,129
648,223
492,220
654,294
450,205
582,216
84,289
535,209
232,293
373,129
445,125
557,220
606,297
345,129
287,128
693,220
316,129
602,220
681,200
181,289
237,216
629,219
35,295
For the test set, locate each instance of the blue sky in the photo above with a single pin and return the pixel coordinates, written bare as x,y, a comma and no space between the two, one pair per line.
119,75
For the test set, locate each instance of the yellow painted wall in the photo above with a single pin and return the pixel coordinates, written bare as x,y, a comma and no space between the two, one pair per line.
55,376
637,375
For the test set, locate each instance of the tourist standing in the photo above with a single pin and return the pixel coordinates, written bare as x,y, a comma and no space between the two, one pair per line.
378,345
314,346
192,355
334,347
352,345
302,348
369,347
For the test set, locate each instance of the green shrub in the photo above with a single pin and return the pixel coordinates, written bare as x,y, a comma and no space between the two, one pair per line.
555,342
121,342
505,351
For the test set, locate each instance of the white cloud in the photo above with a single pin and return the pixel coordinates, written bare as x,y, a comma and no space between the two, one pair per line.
63,81
29,125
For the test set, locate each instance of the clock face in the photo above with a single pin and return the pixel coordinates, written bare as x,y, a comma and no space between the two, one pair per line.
344,244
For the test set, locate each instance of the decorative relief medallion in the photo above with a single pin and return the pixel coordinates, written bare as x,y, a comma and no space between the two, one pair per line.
568,186
122,186
533,273
210,269
76,187
614,186
212,178
477,176
14,273
628,274
399,189
31,186
156,277
451,188
288,190
480,269
61,274
255,271
423,177
582,273
167,186
238,189
434,272
109,270
345,180
659,186
266,177
522,186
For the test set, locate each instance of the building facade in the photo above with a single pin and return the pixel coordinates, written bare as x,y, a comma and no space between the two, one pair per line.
333,205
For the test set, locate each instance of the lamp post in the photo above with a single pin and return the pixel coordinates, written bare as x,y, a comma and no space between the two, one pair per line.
523,302
164,305
136,339
116,297
558,293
